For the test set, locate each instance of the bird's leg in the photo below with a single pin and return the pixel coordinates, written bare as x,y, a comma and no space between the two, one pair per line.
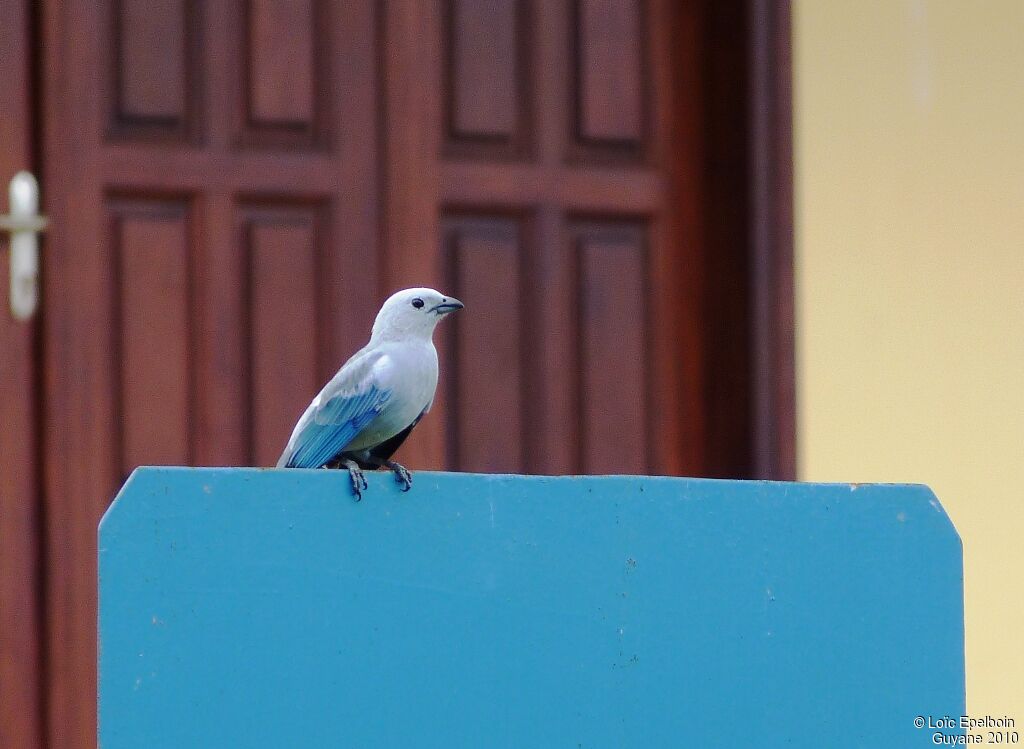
402,474
358,479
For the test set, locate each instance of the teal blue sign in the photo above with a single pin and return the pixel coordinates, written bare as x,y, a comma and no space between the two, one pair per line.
264,608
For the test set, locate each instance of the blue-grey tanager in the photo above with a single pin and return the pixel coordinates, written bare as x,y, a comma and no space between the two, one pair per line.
369,407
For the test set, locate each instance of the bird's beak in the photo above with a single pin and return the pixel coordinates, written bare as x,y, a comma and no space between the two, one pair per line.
448,305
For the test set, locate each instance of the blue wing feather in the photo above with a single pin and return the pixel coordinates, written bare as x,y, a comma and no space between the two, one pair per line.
335,425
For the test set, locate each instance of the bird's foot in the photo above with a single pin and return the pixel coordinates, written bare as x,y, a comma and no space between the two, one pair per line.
402,474
358,479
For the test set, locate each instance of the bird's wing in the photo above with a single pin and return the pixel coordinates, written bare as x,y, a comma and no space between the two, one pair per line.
346,405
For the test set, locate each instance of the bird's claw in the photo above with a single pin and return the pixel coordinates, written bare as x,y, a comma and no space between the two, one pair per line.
402,475
355,473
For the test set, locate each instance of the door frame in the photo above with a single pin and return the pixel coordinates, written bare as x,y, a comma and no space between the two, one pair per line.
774,317
735,178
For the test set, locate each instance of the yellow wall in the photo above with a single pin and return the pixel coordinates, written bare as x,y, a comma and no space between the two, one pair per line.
909,125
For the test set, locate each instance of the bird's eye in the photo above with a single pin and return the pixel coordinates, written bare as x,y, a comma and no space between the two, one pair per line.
417,303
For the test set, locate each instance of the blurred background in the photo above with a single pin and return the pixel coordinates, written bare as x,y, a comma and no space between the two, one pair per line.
729,239
910,281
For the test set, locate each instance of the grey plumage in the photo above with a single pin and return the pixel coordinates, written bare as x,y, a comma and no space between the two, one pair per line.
374,400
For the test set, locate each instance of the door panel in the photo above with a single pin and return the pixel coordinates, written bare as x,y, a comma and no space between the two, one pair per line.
613,358
486,56
285,309
611,96
151,344
153,69
487,400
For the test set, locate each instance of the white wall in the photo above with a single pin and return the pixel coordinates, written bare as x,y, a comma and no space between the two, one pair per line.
909,129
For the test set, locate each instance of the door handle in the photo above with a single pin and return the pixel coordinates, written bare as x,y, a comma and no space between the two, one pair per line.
24,224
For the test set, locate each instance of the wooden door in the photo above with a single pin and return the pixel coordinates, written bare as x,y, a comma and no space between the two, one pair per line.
234,186
21,685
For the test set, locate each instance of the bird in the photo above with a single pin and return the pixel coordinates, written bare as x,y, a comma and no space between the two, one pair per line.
367,410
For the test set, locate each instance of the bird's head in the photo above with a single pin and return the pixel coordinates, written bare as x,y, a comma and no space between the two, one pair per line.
412,313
